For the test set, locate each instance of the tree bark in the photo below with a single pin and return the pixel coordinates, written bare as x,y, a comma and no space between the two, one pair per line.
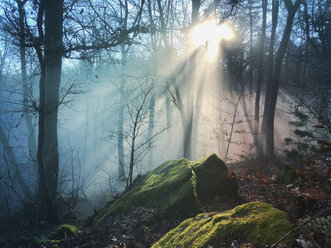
27,90
163,25
233,124
188,120
53,67
47,206
50,65
324,106
260,74
275,11
187,141
151,131
120,146
250,49
14,165
120,137
271,94
132,158
168,107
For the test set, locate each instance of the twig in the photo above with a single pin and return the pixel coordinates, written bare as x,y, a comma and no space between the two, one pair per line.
299,226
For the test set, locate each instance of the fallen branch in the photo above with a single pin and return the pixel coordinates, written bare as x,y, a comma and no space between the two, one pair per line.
299,226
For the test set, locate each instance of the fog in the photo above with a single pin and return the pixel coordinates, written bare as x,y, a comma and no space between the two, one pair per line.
88,119
136,91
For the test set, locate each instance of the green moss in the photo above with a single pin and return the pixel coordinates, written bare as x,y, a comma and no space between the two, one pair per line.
165,187
175,188
255,222
64,231
211,173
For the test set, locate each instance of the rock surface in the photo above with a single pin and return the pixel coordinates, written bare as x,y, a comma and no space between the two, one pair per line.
255,222
64,232
176,188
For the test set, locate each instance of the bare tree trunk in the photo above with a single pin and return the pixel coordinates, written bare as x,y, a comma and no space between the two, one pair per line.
53,67
86,131
307,33
151,130
195,10
132,158
47,206
250,49
271,94
120,137
120,147
136,117
188,125
168,108
275,10
14,165
5,140
233,124
151,15
260,75
197,108
286,55
187,142
324,106
163,25
50,78
133,148
27,90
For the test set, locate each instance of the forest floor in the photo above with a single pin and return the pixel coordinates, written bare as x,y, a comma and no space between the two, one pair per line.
299,191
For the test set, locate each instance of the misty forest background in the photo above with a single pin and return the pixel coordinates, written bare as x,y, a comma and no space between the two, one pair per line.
95,92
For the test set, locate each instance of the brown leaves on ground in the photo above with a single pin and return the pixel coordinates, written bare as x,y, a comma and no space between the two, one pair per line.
307,194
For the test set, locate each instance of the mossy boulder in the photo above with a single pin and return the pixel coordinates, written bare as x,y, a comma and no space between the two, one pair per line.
64,231
212,178
176,188
256,222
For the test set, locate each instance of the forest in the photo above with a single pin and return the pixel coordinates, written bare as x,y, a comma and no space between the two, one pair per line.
165,123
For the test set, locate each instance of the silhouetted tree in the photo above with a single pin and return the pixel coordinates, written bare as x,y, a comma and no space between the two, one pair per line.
272,92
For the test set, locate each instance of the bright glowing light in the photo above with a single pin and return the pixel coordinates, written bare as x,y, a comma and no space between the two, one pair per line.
210,34
226,32
204,32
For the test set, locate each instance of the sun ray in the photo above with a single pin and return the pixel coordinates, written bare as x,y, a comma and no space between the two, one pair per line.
210,34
